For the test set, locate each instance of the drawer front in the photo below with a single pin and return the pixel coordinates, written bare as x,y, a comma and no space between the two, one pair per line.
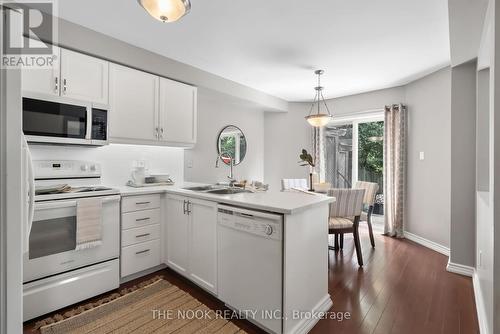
140,218
140,234
140,257
144,202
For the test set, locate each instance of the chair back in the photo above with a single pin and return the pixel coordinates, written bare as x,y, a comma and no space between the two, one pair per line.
371,189
348,202
287,184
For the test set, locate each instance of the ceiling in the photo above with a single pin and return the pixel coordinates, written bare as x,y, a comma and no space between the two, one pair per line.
274,46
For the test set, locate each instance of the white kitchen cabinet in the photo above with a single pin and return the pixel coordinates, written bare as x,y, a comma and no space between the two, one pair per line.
191,239
140,233
177,234
73,75
133,98
178,112
84,77
44,81
203,243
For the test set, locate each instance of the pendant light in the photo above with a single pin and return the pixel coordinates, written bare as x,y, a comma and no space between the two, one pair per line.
319,119
166,10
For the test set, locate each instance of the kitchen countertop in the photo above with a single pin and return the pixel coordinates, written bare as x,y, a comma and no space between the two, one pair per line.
288,202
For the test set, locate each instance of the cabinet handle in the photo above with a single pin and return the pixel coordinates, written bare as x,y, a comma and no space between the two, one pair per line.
142,252
64,86
184,207
189,207
157,133
161,133
142,235
56,86
141,203
142,219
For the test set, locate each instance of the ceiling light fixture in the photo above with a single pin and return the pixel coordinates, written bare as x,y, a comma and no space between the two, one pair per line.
319,119
166,10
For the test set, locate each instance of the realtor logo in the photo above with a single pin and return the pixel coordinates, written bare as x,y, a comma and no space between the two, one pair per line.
27,24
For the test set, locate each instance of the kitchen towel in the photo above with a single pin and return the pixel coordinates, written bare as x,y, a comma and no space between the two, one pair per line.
88,223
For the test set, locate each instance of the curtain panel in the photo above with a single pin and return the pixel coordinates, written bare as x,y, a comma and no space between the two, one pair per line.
395,142
318,153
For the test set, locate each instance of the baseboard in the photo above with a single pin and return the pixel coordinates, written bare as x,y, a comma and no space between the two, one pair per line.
427,243
480,309
305,325
459,269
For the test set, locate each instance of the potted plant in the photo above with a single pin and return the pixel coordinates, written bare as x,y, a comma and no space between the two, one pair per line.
307,160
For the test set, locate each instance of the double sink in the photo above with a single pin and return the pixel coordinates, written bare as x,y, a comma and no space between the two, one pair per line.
218,189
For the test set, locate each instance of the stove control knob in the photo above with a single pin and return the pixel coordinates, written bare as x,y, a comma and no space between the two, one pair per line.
84,168
269,230
92,168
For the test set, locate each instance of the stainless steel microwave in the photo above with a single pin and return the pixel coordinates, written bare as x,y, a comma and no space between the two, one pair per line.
59,120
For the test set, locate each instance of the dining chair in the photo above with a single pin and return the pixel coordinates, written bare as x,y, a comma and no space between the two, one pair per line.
287,184
344,217
371,189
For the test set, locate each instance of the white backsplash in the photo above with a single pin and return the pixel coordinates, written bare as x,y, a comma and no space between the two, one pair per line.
117,160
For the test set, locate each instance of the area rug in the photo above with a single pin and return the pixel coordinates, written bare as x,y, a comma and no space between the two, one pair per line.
154,306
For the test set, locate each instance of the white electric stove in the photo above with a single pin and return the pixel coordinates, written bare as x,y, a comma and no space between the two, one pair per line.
55,274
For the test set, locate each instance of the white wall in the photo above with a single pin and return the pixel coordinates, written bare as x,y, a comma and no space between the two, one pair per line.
215,111
117,160
428,181
286,134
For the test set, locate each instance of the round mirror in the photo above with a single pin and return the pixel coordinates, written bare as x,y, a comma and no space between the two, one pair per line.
232,142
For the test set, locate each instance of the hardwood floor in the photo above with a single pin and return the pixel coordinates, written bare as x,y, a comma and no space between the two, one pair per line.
402,288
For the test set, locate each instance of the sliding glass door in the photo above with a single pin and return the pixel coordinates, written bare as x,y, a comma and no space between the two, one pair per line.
355,152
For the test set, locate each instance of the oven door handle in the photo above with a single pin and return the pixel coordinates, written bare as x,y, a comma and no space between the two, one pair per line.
55,205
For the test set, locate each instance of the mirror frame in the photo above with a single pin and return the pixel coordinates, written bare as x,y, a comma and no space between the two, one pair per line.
218,138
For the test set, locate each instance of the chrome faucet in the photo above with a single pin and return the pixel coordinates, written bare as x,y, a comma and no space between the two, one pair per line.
232,181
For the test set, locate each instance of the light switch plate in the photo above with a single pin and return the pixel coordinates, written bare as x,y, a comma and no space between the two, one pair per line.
421,155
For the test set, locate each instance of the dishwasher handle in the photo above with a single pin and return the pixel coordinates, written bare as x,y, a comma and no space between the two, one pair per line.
247,213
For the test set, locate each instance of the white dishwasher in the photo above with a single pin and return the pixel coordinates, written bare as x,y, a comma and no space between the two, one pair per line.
250,264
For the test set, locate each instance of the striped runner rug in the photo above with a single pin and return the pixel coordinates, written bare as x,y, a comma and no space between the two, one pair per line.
155,306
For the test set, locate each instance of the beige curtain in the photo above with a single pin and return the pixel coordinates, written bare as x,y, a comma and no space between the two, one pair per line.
395,169
318,153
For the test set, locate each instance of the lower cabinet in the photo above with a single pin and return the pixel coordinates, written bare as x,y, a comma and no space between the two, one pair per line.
192,239
140,233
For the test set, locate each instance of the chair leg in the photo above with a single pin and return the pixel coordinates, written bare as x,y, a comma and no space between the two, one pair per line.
357,244
336,241
370,229
341,240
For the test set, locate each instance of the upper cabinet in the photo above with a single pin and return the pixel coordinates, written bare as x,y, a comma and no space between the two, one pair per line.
84,77
178,112
43,81
133,99
74,75
144,108
147,109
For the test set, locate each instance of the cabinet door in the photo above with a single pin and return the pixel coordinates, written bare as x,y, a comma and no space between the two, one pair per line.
84,77
177,234
134,105
203,244
43,81
178,112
